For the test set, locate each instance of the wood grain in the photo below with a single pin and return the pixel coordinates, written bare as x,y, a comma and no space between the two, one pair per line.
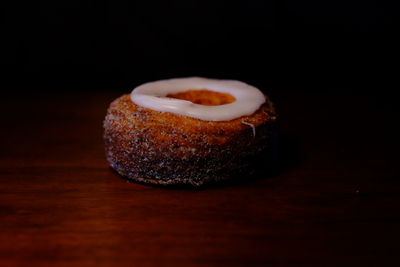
334,201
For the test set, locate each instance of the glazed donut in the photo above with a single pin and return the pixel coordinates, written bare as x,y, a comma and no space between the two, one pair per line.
188,131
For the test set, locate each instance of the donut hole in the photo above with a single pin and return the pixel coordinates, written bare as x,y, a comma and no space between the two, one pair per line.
204,97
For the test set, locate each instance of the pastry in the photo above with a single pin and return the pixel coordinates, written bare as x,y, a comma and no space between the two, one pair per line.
188,131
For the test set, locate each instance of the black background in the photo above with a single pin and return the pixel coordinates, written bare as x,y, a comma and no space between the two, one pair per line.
296,45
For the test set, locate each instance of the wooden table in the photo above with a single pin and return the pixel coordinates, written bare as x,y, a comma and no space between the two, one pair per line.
334,201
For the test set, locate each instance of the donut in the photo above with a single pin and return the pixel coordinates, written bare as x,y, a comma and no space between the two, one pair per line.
188,131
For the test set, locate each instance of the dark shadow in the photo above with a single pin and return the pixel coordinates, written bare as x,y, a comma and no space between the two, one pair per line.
282,157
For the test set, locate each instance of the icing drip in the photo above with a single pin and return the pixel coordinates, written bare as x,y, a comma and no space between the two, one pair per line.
253,128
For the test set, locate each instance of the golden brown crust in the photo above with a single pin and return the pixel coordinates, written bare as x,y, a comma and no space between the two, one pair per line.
204,97
164,148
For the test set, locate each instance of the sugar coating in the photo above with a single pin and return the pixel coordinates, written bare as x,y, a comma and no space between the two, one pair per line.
169,149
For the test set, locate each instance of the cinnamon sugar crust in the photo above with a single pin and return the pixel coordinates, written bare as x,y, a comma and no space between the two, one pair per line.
168,149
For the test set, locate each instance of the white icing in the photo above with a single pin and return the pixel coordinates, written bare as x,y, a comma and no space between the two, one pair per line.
152,95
